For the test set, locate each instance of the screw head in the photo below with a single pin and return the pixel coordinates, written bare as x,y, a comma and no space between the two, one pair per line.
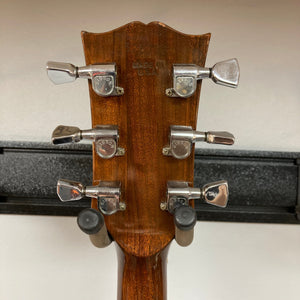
163,205
120,91
120,152
169,92
166,151
122,206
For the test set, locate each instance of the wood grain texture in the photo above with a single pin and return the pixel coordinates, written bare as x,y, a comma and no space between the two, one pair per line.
142,278
144,55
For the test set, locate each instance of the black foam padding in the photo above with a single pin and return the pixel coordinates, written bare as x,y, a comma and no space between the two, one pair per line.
185,218
90,221
264,187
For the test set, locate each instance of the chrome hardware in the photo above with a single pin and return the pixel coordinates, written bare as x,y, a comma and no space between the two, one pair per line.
185,77
179,193
91,222
107,192
103,76
105,137
182,138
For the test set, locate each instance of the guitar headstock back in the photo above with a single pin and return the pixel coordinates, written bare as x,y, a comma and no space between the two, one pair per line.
144,56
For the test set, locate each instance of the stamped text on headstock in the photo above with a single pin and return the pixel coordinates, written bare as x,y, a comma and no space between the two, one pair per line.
148,68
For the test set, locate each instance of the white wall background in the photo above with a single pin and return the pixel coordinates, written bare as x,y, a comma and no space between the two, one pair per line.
48,257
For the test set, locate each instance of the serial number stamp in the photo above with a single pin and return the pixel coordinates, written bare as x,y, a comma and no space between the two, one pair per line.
148,68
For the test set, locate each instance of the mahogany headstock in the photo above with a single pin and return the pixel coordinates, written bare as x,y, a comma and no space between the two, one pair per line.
144,56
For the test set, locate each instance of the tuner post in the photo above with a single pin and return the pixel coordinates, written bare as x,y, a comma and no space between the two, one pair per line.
185,77
105,137
182,139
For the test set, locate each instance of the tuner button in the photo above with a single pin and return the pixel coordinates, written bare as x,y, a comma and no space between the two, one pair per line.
226,73
66,134
219,137
60,73
70,190
216,193
90,221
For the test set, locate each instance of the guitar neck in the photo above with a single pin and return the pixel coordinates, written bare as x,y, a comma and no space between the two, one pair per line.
142,277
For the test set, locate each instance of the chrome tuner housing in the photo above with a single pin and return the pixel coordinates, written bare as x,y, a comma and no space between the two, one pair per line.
182,139
179,193
103,76
105,137
108,194
185,77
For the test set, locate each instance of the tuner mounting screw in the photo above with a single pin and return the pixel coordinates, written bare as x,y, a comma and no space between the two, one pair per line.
166,151
120,91
163,205
122,206
169,92
120,152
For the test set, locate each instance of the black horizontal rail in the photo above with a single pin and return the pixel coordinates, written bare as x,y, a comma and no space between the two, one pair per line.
263,185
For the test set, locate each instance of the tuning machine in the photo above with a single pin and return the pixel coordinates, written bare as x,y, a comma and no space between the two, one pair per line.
185,77
179,193
183,137
105,137
91,221
103,76
107,192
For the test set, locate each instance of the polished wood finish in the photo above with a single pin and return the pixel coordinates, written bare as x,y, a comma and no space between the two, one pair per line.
142,277
144,55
